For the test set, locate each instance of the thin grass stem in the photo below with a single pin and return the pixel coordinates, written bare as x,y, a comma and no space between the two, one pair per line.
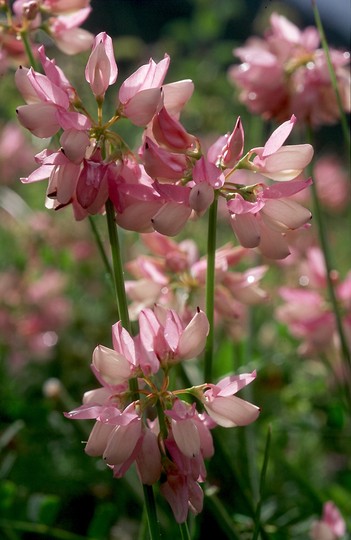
324,42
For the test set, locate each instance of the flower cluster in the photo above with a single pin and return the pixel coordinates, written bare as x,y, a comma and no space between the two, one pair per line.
174,275
286,72
60,19
170,180
165,432
315,325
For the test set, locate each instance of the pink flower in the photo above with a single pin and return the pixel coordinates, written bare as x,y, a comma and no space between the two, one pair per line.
166,340
280,162
140,93
226,409
62,6
184,429
169,132
332,525
65,30
101,69
48,104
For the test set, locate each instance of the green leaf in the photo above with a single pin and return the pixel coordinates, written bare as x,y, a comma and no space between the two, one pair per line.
43,508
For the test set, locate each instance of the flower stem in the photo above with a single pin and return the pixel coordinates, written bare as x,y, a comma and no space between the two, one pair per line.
154,529
223,518
118,278
122,305
102,251
184,531
210,287
343,120
328,267
28,49
262,485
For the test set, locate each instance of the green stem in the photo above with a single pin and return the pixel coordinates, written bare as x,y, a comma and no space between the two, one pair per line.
210,287
150,506
328,266
28,49
262,485
122,304
184,531
250,430
102,251
343,120
118,278
224,520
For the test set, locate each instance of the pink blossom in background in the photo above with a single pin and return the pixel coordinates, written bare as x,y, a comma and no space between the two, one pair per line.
174,275
315,325
166,437
286,72
61,19
332,525
16,153
33,312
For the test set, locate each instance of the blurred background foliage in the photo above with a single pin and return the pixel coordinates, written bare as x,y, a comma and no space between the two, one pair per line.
48,487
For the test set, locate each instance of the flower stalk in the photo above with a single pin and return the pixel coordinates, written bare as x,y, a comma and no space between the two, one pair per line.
210,287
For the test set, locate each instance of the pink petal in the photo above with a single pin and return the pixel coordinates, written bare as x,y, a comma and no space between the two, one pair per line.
122,442
232,411
171,218
233,383
207,172
193,339
113,367
186,437
201,197
284,214
74,40
176,95
40,118
247,229
273,244
278,137
98,439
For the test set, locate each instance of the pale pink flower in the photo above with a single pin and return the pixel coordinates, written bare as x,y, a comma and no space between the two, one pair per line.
184,429
140,93
332,183
166,340
169,132
226,409
332,525
69,38
174,276
315,325
278,162
63,6
101,69
48,105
